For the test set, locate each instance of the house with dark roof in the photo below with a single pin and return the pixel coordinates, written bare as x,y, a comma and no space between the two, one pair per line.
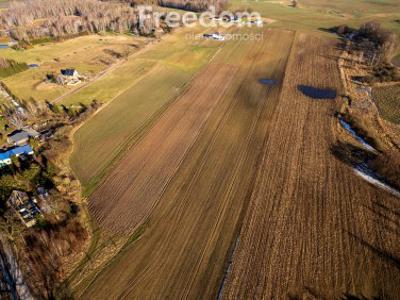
21,137
69,77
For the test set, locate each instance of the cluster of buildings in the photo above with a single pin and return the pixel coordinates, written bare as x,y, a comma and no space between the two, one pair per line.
25,208
19,145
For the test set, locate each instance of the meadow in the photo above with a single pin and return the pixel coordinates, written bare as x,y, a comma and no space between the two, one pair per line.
319,15
89,55
141,89
316,14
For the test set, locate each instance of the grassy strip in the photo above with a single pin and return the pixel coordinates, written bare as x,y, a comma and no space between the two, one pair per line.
13,68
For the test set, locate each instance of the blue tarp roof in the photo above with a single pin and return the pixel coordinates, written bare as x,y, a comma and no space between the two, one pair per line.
26,149
4,156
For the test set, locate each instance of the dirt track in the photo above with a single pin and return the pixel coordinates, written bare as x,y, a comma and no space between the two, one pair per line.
313,227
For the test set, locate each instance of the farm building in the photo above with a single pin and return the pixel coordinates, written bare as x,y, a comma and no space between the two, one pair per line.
5,157
25,207
21,137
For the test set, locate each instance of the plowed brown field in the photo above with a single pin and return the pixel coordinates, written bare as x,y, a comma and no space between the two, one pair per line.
313,228
199,200
233,156
137,183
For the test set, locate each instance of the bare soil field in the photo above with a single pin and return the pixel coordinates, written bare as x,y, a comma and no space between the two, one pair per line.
313,229
144,172
196,166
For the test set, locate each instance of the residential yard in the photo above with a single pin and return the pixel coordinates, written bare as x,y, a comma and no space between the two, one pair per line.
89,55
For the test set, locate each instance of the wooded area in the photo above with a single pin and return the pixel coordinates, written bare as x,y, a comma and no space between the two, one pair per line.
30,20
197,5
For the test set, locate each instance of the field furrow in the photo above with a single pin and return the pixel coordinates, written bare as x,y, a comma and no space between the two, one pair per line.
186,243
311,228
137,182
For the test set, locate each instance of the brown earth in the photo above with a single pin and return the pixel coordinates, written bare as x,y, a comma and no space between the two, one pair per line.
230,152
138,181
313,228
183,249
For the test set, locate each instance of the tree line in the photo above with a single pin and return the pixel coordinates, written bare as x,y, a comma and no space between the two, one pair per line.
197,6
29,20
191,5
33,19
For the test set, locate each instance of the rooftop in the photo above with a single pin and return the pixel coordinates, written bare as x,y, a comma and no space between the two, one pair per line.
68,72
16,151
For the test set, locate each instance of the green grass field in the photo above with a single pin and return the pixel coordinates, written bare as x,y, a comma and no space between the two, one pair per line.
88,54
315,14
148,82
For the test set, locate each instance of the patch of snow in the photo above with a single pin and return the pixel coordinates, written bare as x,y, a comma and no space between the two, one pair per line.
360,139
367,174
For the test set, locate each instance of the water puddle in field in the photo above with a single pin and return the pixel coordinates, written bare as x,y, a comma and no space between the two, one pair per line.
316,93
267,81
359,138
362,170
228,271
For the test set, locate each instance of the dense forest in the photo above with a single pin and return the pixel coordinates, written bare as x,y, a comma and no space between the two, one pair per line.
29,20
191,5
32,19
198,5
